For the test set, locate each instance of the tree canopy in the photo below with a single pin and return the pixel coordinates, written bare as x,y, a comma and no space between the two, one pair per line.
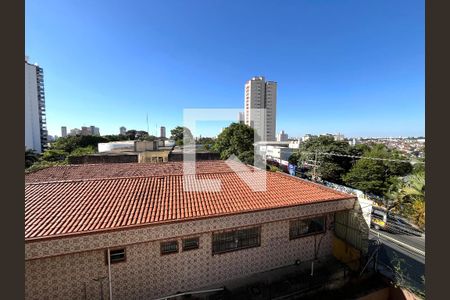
330,168
237,139
377,176
178,134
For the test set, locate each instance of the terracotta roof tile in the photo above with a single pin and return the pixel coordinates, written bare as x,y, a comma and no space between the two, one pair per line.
86,198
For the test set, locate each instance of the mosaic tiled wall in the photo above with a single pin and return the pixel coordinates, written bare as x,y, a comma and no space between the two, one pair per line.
146,274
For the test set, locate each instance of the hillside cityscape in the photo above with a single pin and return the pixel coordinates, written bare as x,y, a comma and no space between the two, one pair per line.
291,191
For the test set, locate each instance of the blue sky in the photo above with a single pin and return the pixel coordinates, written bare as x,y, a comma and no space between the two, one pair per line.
354,67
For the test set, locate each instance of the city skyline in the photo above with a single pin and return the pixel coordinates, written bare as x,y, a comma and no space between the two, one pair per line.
361,73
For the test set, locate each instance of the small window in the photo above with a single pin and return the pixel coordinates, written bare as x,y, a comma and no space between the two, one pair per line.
191,244
116,255
169,247
305,227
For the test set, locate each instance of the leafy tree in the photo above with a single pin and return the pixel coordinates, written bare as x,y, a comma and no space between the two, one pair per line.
70,143
377,176
54,155
116,137
237,139
131,134
178,134
293,159
83,151
31,156
331,168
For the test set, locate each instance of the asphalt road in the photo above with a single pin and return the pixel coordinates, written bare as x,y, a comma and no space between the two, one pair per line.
401,252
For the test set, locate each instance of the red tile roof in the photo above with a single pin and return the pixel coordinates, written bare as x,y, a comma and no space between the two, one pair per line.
90,171
91,198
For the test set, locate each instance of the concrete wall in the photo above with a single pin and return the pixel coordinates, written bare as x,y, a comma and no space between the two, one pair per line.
65,268
178,156
154,156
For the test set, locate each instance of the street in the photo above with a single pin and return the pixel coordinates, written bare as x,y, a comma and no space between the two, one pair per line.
401,252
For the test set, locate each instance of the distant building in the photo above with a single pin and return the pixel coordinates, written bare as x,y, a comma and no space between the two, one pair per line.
241,118
95,131
307,137
63,131
75,131
85,130
162,133
35,118
282,136
339,137
261,94
91,130
122,130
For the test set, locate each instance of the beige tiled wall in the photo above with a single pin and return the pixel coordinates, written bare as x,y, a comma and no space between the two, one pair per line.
146,274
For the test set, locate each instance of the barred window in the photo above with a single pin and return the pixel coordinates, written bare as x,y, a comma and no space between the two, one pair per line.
191,243
304,227
169,247
115,255
236,239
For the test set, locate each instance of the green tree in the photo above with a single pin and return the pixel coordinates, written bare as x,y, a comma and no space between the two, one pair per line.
331,167
70,143
178,134
237,139
372,175
294,158
54,155
131,134
83,151
409,198
31,156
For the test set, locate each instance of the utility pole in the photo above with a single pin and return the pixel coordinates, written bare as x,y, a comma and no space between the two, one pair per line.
315,165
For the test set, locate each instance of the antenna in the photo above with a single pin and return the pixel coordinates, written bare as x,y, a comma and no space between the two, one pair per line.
147,125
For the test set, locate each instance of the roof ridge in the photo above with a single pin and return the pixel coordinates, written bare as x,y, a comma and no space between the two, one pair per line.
126,177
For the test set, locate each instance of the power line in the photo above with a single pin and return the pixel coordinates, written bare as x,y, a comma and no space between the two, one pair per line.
363,157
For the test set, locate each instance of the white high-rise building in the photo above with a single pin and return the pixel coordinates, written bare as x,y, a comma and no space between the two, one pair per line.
35,119
122,130
63,131
282,136
261,94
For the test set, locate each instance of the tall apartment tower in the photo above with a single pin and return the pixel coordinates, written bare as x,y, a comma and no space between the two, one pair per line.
122,130
162,133
261,94
35,119
63,131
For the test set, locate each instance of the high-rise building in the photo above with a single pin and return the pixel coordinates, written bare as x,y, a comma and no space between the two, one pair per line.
282,136
35,119
162,133
241,118
261,94
122,130
63,131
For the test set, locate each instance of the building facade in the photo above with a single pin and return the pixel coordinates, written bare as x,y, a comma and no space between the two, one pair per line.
282,136
260,106
162,133
63,131
122,130
160,244
35,117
